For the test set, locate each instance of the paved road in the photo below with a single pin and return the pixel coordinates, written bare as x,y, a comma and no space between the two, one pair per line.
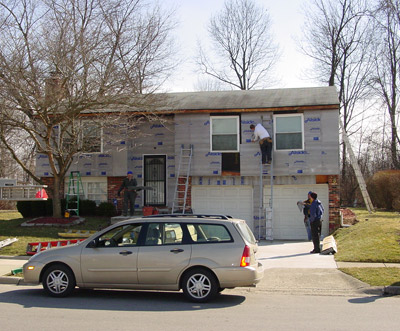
27,308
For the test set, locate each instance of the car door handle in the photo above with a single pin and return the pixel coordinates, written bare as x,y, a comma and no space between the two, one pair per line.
125,252
176,250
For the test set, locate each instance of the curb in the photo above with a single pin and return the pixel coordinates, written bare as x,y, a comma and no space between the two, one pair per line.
391,290
9,280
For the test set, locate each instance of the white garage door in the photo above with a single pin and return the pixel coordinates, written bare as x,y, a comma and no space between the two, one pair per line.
236,201
287,219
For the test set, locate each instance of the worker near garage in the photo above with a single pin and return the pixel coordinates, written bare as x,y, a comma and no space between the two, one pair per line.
316,212
306,212
261,134
129,185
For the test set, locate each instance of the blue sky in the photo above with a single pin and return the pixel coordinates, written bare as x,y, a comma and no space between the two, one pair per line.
193,17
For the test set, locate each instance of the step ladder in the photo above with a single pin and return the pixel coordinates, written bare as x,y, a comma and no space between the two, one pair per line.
75,190
266,209
357,171
179,204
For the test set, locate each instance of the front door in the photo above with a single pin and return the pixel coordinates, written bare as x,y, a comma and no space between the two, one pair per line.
155,177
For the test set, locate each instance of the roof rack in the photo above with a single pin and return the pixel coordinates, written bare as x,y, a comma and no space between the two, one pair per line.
224,217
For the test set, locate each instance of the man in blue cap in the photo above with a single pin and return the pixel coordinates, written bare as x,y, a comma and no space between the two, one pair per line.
129,185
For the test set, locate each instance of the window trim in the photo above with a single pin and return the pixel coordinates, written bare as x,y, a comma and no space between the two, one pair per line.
237,134
301,115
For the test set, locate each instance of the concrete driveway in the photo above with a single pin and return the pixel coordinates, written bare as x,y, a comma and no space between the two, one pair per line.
291,269
292,254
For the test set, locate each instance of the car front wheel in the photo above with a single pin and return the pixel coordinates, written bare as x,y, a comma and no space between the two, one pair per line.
199,285
58,281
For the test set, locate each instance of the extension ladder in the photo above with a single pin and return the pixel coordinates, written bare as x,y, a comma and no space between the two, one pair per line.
357,171
179,204
266,211
75,190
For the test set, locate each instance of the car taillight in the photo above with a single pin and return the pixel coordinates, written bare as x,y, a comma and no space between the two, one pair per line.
245,261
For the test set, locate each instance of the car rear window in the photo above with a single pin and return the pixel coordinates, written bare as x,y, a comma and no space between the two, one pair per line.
201,233
246,232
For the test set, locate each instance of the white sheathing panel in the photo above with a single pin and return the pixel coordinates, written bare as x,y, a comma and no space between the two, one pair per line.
287,219
236,201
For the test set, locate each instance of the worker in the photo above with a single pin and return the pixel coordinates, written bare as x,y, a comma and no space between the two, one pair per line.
129,185
261,134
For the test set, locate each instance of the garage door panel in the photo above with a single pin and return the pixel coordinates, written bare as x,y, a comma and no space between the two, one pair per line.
287,219
236,201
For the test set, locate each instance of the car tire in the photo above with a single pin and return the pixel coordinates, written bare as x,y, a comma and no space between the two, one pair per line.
58,280
199,285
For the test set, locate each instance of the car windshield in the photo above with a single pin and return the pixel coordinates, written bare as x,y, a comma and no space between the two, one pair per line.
246,232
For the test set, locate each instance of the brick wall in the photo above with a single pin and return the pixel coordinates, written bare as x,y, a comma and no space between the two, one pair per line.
113,185
334,203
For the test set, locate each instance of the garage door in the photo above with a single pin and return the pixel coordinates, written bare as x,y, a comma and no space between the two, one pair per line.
236,201
287,219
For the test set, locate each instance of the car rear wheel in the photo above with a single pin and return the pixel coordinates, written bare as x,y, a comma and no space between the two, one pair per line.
58,280
199,285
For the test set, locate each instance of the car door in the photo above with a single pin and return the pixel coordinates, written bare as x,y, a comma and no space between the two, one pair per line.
112,258
163,255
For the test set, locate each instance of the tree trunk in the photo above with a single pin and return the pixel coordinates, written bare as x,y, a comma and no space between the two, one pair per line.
56,197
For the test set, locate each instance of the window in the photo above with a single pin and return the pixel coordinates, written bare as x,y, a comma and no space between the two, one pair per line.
289,132
163,234
201,233
94,188
91,138
224,133
85,136
121,236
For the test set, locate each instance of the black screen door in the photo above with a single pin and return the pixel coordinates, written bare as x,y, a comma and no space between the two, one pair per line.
155,177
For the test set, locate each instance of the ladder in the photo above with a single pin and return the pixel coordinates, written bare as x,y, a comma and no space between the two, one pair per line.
179,204
75,190
357,171
266,212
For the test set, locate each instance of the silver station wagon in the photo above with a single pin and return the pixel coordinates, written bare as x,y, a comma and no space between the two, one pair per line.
200,254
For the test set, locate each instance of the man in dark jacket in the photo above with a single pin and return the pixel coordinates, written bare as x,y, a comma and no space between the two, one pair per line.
306,212
316,212
129,185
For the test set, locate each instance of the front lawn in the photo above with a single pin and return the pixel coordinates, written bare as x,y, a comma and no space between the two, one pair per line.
10,227
375,238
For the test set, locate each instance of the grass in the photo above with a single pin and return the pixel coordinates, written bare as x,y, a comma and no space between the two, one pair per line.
10,227
376,238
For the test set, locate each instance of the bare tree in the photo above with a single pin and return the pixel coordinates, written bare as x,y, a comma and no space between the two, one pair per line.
243,52
61,59
337,39
386,76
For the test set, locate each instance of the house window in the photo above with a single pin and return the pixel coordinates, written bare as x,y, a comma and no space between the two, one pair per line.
289,132
94,188
224,133
91,138
85,136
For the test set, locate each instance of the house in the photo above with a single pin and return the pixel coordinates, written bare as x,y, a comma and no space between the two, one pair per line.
225,166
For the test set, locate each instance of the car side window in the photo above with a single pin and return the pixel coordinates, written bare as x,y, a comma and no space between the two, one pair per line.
120,236
163,234
202,233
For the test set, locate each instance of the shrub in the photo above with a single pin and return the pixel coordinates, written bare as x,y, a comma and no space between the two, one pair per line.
24,207
38,208
87,207
106,209
384,189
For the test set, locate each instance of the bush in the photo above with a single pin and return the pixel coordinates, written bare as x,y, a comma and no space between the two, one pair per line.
106,209
87,208
38,208
384,189
24,207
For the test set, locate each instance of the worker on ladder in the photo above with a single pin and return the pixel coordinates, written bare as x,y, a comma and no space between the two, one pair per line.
129,185
261,134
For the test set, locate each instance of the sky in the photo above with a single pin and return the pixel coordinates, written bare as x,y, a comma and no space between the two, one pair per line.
193,17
